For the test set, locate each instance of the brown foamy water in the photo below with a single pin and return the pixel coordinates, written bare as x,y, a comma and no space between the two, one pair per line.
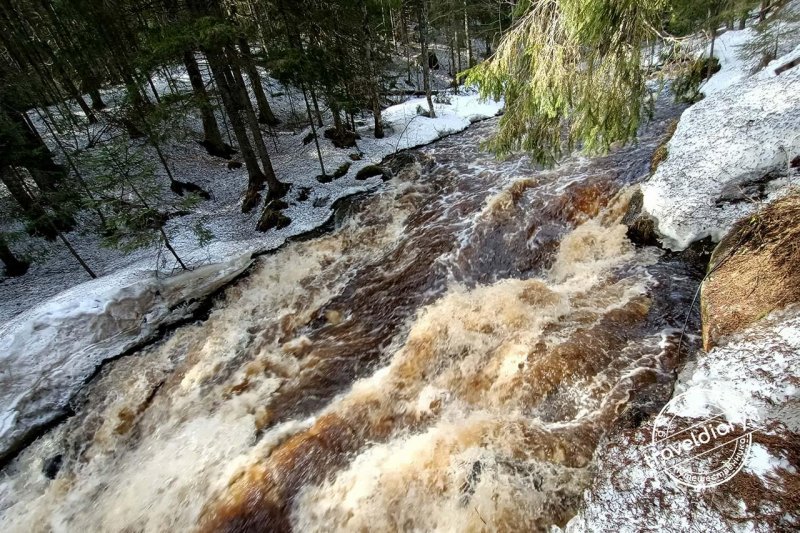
446,360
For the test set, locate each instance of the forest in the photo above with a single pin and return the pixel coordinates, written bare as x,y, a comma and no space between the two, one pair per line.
93,102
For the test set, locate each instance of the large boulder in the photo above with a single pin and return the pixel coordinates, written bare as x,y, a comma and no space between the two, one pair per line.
48,352
753,271
730,151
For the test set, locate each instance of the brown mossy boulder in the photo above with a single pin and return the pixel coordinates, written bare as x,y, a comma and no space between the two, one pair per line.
662,151
370,171
641,227
272,217
753,271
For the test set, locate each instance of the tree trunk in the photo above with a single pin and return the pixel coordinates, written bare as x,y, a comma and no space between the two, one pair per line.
212,141
276,188
336,112
33,211
85,186
13,266
710,71
255,175
153,87
373,78
170,248
314,131
317,112
76,255
764,9
265,114
97,99
423,39
468,36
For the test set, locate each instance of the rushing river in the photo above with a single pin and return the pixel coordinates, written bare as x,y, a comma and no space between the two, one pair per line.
446,360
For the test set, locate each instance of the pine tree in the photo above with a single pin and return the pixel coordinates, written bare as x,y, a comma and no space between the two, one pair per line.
560,70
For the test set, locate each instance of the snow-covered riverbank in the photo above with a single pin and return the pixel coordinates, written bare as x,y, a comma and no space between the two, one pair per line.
58,328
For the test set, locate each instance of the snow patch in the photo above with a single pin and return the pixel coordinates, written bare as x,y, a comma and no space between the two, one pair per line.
756,369
734,66
730,151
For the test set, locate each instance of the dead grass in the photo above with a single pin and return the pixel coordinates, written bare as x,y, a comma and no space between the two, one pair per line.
771,502
754,270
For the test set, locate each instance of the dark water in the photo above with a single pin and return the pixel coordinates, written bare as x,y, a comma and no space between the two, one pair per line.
446,360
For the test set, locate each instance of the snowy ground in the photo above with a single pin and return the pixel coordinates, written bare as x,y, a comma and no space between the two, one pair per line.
731,150
755,376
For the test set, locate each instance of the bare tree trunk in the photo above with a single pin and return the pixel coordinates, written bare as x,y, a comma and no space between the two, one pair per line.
315,103
265,114
13,266
32,209
423,39
153,87
75,254
276,188
313,131
373,78
212,141
255,175
49,221
468,36
71,163
170,248
764,9
710,71
97,99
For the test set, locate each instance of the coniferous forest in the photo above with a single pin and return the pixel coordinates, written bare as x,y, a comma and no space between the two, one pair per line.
106,84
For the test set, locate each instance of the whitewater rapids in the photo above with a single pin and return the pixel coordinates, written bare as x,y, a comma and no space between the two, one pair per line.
447,359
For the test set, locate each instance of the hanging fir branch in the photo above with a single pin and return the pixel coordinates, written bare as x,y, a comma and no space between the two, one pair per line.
571,75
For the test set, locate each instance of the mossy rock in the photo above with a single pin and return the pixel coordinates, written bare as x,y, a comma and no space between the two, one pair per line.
272,218
641,227
662,152
342,138
370,171
753,271
399,161
341,171
687,86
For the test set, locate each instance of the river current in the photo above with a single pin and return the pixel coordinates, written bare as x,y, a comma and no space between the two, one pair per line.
446,359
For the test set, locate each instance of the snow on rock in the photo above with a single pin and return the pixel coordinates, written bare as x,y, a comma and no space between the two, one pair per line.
734,65
48,352
730,149
758,374
757,370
